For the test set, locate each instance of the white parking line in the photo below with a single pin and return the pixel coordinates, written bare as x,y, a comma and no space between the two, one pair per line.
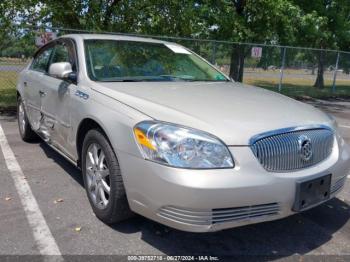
41,232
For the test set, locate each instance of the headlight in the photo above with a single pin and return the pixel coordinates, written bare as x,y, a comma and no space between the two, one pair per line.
181,147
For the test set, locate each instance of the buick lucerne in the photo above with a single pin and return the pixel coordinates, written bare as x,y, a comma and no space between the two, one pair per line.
159,131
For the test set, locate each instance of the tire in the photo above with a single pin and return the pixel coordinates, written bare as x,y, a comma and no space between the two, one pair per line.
25,130
117,207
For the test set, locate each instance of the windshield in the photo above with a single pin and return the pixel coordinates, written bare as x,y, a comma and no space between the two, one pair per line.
113,60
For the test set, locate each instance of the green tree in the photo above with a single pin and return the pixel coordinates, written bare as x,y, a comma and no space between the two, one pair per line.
324,24
171,17
319,23
7,14
255,21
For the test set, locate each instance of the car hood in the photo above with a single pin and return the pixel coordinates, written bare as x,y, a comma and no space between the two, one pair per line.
231,111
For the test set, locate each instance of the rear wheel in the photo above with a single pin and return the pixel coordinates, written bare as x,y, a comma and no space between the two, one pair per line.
25,130
102,179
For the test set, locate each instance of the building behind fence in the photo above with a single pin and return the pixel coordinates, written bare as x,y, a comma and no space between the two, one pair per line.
290,70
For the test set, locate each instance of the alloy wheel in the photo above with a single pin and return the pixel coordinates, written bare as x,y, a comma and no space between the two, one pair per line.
97,176
21,117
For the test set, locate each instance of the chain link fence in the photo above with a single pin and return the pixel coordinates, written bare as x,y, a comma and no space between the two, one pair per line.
290,70
9,70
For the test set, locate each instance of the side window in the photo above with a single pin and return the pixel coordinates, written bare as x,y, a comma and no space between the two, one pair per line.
63,53
41,61
60,54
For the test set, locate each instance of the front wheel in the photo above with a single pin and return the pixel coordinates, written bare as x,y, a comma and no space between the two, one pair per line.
25,130
102,179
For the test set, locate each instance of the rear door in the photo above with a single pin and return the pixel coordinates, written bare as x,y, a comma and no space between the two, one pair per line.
32,85
56,106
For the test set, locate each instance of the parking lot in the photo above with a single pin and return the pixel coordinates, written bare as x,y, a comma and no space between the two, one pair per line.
57,188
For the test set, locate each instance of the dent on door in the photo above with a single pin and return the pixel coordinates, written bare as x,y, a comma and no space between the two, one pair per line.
46,126
34,115
55,112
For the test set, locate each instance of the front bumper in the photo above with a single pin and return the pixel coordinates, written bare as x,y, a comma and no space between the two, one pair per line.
211,200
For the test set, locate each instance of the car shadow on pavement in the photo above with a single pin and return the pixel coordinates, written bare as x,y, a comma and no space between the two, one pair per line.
339,108
68,167
298,234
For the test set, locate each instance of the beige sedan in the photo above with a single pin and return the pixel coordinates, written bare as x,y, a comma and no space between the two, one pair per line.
158,131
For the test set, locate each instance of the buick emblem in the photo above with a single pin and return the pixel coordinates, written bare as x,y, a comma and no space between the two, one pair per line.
305,148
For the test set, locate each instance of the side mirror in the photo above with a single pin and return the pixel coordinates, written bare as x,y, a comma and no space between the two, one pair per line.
61,70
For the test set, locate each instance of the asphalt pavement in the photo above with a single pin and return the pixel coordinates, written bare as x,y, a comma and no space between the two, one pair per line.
57,188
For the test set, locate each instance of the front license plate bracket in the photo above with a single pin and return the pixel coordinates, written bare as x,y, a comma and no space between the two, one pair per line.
312,192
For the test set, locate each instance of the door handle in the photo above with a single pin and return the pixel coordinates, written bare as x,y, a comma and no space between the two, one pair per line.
42,93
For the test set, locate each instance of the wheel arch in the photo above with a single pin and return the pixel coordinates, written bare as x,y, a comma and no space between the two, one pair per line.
84,127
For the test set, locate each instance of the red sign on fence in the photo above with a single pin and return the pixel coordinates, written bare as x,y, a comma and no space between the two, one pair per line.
256,52
44,37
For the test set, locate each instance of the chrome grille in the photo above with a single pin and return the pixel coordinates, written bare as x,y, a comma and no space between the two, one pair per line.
282,151
248,212
221,215
338,185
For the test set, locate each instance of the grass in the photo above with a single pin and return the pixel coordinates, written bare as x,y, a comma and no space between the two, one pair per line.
13,64
8,80
13,61
287,71
301,88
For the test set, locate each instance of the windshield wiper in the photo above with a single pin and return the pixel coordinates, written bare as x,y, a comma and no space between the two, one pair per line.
159,78
122,80
184,78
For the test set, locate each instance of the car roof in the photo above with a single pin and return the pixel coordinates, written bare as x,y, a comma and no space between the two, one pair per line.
112,37
82,37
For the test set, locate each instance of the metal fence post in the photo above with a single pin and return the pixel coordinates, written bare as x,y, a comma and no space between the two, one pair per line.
282,69
213,53
335,73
